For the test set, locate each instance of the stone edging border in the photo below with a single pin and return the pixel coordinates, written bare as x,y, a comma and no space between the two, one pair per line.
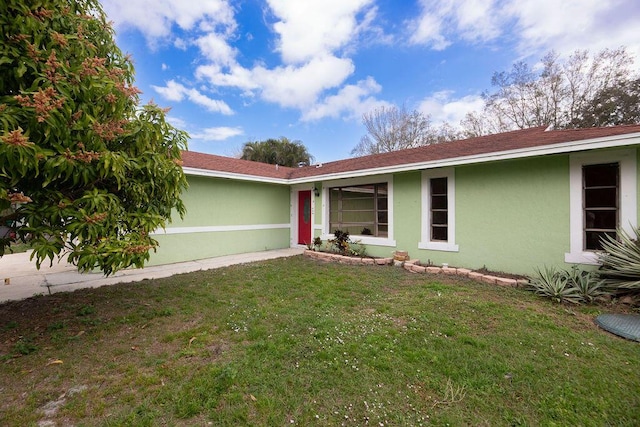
415,267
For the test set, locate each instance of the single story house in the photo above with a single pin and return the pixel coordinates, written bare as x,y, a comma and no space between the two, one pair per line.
510,202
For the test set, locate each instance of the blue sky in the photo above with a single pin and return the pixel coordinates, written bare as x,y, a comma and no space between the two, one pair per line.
234,71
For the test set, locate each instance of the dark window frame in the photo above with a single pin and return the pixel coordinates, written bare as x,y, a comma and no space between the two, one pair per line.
439,209
600,203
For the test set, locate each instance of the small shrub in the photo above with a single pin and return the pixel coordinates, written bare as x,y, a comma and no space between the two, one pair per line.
340,242
358,249
317,242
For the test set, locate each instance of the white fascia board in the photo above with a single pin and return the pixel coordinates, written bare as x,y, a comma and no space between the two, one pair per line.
560,148
230,175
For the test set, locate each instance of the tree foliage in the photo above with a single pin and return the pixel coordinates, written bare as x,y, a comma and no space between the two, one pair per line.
580,91
83,170
393,128
615,105
283,152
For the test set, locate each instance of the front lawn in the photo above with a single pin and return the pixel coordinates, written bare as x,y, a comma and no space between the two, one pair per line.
297,342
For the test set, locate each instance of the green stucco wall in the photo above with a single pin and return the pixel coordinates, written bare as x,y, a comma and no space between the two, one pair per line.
407,209
511,216
231,203
216,201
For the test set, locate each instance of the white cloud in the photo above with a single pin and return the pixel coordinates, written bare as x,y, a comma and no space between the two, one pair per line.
477,19
427,29
471,20
155,18
236,76
180,43
287,86
535,25
576,24
176,122
217,133
215,48
443,108
311,28
351,100
300,87
174,91
313,39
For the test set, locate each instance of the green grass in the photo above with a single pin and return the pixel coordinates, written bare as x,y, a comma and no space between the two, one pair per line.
296,342
18,247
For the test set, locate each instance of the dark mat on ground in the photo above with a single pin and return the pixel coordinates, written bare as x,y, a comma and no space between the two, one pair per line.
624,325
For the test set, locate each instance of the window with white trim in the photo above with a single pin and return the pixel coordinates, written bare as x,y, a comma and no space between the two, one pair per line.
362,206
438,210
360,209
602,199
600,195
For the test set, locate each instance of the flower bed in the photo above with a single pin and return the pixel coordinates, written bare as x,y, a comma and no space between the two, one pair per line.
415,267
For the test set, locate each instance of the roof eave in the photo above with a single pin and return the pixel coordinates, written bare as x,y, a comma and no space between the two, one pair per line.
611,141
558,148
232,175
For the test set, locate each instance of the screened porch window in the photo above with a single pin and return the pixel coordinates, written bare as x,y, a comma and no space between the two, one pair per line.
601,203
360,209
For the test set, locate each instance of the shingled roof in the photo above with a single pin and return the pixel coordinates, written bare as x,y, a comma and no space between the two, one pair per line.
508,142
230,165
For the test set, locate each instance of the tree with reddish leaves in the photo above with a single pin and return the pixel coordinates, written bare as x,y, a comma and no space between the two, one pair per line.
84,170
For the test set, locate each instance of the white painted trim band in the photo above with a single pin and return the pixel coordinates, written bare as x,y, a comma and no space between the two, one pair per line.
220,228
439,246
365,240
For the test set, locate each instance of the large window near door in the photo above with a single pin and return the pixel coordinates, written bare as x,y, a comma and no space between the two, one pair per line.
360,209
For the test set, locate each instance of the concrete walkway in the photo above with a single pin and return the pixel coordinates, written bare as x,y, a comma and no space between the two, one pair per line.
19,278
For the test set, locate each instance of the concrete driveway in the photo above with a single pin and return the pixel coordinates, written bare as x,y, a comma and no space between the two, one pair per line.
19,278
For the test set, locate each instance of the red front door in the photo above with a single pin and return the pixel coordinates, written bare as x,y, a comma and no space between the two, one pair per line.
304,217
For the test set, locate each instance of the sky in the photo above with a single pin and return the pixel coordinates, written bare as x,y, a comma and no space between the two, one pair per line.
233,71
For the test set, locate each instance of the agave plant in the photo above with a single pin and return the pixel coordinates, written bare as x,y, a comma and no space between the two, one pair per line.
620,270
555,285
585,283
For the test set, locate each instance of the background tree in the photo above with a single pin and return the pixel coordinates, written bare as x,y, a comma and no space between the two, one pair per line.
393,128
616,105
83,170
580,91
283,152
